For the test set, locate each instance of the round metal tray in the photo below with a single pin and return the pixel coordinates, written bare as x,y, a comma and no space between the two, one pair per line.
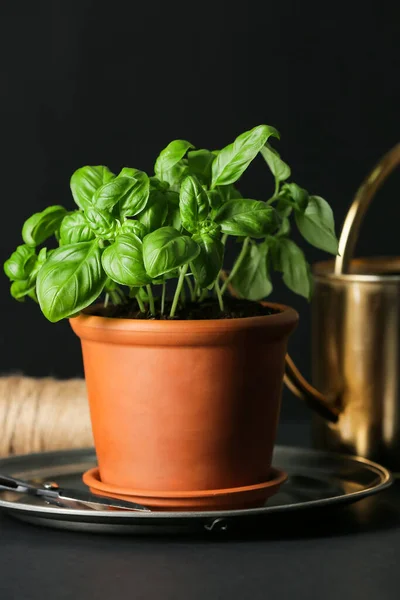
316,480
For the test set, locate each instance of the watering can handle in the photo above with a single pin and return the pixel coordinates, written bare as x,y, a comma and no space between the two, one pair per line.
324,404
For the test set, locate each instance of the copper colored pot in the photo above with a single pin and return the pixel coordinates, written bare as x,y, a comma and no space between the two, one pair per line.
184,405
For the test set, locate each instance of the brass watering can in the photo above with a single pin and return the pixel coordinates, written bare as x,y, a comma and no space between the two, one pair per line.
356,343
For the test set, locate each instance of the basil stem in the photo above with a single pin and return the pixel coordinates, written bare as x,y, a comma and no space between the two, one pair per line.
219,296
178,290
151,300
164,289
140,303
236,265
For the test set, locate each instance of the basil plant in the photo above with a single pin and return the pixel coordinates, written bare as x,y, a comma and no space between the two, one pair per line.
132,232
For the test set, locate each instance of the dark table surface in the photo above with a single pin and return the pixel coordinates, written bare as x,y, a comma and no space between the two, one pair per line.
352,552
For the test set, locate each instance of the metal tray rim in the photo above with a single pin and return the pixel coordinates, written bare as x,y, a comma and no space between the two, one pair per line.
386,479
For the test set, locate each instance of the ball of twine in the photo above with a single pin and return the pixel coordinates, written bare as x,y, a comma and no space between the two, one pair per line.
38,415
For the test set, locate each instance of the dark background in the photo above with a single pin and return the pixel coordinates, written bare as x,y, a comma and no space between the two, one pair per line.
91,82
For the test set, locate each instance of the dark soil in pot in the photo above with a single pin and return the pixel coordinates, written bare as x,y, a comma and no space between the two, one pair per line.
192,311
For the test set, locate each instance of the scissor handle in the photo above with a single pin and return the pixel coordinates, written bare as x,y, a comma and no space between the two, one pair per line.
10,484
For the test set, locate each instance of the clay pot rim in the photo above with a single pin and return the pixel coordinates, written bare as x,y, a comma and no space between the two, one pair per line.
91,478
285,317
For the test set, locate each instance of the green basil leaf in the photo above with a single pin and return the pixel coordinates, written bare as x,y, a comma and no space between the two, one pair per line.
230,192
296,193
43,254
177,174
200,164
316,224
168,165
234,159
128,172
63,292
20,264
40,226
173,216
22,288
171,275
154,215
247,218
215,199
109,194
130,191
101,222
221,195
123,261
284,229
279,169
135,227
283,208
290,260
27,287
166,249
74,228
211,228
251,280
85,181
193,203
39,262
156,184
136,200
207,265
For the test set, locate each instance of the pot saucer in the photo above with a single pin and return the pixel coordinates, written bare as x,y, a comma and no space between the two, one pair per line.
249,496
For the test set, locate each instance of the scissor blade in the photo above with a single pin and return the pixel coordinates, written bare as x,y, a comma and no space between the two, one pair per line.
96,502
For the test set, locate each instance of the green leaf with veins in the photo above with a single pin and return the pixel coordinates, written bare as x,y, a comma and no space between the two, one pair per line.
154,215
222,194
297,194
247,218
42,225
130,190
279,169
133,226
200,164
169,166
193,204
86,180
252,280
123,261
284,229
63,292
316,224
207,265
288,258
156,184
20,263
74,228
166,249
283,207
27,287
234,159
101,222
22,288
173,215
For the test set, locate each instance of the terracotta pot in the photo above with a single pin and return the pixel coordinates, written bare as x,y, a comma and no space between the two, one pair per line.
184,406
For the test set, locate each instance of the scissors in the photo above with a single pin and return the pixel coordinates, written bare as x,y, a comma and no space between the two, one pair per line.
63,497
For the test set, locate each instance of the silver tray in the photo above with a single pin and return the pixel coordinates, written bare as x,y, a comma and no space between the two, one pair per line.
316,480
